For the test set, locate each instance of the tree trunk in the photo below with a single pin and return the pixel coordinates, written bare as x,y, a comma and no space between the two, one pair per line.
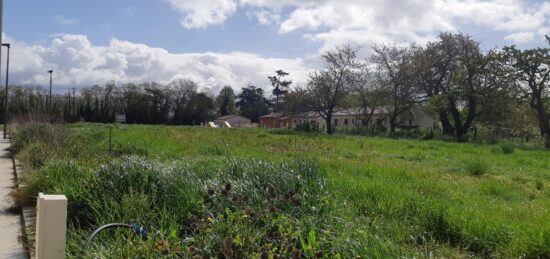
393,123
328,121
446,125
547,144
460,134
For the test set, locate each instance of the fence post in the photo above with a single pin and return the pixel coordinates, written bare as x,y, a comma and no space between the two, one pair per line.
110,138
51,226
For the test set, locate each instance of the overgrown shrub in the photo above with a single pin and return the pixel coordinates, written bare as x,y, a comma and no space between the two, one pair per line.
50,135
507,148
307,127
477,167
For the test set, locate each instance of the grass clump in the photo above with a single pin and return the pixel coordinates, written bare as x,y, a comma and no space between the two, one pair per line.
507,148
477,167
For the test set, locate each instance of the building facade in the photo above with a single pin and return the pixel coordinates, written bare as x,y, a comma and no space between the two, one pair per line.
234,121
349,119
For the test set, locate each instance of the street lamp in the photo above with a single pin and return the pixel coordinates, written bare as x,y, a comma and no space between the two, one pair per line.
50,97
6,107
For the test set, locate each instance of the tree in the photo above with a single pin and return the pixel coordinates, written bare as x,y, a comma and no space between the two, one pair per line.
459,81
252,103
367,96
226,101
431,67
394,73
182,91
199,109
280,86
327,88
532,68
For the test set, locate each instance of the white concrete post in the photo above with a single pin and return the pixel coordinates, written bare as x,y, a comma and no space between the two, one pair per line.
51,226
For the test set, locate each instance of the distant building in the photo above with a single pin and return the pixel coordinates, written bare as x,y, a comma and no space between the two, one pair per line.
275,120
235,121
349,119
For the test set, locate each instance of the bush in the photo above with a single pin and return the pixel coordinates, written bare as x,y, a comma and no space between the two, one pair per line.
307,127
50,135
507,148
477,167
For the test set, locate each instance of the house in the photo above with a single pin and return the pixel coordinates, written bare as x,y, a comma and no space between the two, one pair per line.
353,118
235,121
275,120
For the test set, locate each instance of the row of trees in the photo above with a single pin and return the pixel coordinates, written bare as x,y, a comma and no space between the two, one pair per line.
178,102
451,77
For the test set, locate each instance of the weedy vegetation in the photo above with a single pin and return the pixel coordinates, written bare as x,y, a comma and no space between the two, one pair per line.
249,193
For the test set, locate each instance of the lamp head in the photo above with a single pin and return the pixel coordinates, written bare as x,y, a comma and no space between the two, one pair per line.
50,71
6,45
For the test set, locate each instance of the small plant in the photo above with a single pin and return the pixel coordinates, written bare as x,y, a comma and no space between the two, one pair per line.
215,149
539,185
507,148
307,127
477,167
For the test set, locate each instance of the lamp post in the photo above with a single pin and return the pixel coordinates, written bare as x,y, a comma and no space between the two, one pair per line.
1,19
50,96
6,106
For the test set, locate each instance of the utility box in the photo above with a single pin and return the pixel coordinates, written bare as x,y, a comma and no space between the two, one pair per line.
51,226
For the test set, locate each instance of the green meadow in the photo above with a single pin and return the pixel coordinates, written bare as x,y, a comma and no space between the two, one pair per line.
256,193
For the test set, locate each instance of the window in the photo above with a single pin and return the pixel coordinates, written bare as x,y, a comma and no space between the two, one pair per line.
335,122
346,122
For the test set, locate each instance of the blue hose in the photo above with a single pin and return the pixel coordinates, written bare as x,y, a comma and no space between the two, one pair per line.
136,229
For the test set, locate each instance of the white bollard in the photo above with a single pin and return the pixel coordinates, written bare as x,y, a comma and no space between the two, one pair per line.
51,226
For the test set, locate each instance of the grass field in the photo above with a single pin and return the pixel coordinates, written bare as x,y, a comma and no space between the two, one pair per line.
261,193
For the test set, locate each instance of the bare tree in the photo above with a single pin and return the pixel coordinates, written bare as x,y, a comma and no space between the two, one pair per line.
367,98
393,72
329,86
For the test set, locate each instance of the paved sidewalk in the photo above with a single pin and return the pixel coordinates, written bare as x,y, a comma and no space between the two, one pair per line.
10,220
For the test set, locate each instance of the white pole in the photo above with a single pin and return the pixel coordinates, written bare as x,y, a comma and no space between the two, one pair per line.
1,30
51,226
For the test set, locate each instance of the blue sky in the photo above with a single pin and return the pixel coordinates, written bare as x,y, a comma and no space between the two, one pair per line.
236,42
152,22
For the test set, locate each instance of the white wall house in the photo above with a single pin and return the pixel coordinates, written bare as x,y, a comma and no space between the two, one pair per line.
351,118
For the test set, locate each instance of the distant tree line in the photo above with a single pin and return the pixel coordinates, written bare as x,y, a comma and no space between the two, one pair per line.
178,102
452,78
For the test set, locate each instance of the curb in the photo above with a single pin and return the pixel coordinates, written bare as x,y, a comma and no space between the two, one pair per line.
28,214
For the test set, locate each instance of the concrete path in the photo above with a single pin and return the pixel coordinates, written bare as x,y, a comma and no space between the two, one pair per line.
10,220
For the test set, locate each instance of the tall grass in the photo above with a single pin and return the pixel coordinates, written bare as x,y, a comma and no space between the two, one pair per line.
256,193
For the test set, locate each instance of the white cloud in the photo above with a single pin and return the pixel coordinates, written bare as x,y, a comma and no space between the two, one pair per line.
62,20
78,63
331,21
202,13
520,37
265,17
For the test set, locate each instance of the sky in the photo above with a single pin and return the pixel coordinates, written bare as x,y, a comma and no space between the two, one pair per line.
235,42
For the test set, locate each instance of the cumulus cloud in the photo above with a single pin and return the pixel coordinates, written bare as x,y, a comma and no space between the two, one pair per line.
202,13
395,20
78,63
